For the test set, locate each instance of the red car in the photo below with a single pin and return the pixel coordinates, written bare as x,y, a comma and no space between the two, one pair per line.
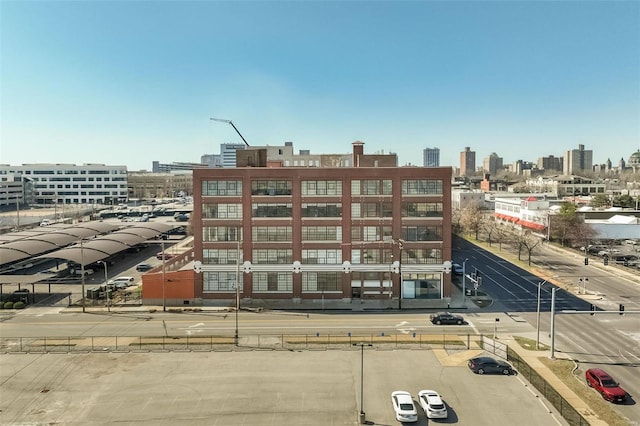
166,256
604,383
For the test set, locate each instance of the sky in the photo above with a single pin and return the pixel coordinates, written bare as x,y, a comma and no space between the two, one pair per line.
130,82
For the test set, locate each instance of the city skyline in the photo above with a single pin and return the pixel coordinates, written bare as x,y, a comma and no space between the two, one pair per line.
126,83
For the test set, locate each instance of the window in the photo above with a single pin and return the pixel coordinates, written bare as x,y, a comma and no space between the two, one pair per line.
422,233
321,281
272,282
271,233
222,211
219,282
422,209
421,256
271,256
321,210
321,187
271,187
422,187
221,233
321,233
222,188
371,233
374,209
272,210
321,256
220,256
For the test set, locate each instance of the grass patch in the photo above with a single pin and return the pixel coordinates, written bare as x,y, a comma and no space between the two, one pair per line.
530,344
604,410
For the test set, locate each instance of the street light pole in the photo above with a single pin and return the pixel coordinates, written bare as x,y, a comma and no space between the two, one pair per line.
236,335
400,243
164,300
106,282
464,281
362,345
540,284
553,322
82,272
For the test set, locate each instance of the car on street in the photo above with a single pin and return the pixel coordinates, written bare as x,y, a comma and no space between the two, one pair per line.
457,269
432,404
602,382
439,318
166,256
404,407
141,267
485,364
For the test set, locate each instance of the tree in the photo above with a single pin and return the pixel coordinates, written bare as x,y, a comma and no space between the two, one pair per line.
503,234
525,240
472,219
491,229
566,218
624,201
599,200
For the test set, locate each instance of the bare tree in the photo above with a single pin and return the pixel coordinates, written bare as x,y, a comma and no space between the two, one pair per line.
472,219
503,234
491,229
526,241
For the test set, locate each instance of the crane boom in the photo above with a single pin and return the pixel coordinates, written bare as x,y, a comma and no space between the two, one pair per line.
234,128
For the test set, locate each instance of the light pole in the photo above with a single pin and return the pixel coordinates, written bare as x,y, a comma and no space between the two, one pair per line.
82,272
164,300
362,345
553,322
464,281
400,243
540,284
106,283
236,335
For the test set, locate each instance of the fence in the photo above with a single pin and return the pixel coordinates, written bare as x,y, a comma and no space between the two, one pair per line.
227,343
573,417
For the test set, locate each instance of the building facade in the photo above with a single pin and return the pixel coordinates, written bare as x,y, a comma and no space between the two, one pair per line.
467,162
577,161
492,164
431,157
349,236
144,185
72,184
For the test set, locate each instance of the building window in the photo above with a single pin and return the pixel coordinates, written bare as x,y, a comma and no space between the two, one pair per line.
272,210
422,233
272,282
222,211
371,233
221,233
375,209
321,210
371,255
220,256
322,233
421,256
422,187
271,233
422,209
322,257
313,282
214,282
222,188
321,187
272,256
271,187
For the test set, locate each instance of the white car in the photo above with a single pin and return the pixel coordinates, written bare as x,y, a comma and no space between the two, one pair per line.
404,407
432,404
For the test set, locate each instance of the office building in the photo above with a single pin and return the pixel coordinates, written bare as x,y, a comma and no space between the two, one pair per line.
578,161
492,164
467,162
431,157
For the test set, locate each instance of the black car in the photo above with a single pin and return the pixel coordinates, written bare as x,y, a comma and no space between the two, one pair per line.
143,267
446,318
485,364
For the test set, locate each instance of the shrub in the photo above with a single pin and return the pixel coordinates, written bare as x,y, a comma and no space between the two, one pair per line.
8,305
19,305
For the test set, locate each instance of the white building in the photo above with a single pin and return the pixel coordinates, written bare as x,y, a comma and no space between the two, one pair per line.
528,213
72,184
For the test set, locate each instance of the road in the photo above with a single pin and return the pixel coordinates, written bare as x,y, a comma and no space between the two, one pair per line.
605,340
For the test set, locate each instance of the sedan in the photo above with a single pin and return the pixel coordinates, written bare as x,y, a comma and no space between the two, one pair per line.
485,364
457,269
161,255
432,404
404,407
143,267
446,318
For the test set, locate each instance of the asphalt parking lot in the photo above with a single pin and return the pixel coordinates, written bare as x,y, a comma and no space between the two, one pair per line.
252,388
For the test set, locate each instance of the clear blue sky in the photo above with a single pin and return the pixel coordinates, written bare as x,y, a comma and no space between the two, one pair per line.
129,82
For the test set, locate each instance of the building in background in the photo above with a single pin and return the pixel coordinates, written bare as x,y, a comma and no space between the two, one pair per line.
550,164
228,154
577,161
431,157
373,235
158,167
70,184
145,185
492,164
467,162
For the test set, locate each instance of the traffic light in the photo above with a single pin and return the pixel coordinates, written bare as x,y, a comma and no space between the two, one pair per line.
606,260
593,310
621,309
586,260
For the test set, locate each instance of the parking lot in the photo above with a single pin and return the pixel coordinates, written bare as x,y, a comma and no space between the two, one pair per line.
253,388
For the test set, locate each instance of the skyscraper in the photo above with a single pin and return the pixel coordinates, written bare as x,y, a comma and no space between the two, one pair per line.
431,157
578,160
492,164
467,162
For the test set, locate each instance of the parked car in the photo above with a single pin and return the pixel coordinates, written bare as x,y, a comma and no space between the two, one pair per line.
446,318
485,364
143,267
432,404
160,255
404,407
610,390
120,282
